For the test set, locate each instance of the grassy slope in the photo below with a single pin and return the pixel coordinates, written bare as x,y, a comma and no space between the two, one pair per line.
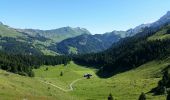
15,87
161,35
124,86
42,46
72,50
6,31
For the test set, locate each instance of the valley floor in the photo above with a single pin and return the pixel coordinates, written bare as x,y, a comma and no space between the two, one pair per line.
49,85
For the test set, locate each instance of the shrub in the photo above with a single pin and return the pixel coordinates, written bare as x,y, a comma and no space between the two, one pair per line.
61,73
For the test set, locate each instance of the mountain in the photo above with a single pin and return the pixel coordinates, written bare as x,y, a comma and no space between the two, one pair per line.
86,43
121,33
163,20
65,40
32,41
1,23
68,40
131,52
70,46
134,64
14,42
155,25
57,35
137,29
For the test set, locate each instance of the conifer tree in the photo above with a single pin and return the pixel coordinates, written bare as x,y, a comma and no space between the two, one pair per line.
142,96
168,96
110,97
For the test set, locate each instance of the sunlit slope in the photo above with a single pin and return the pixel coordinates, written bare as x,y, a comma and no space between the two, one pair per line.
123,86
164,33
11,40
6,31
70,72
16,87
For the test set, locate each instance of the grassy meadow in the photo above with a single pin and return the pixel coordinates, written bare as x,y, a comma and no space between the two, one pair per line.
123,86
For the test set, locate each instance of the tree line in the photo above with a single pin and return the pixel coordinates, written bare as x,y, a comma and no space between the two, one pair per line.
23,64
163,86
127,54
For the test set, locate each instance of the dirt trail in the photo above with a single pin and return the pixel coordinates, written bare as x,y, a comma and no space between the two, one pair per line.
65,90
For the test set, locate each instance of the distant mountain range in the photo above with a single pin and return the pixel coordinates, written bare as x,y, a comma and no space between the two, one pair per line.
131,52
66,40
86,43
155,25
56,35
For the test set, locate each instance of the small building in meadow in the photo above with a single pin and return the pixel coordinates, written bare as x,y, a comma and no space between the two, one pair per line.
87,75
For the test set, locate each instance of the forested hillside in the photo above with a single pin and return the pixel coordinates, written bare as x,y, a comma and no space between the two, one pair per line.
130,53
86,43
84,49
14,42
23,64
65,40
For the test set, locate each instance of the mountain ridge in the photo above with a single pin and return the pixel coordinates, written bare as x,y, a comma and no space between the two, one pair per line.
86,43
58,34
71,39
157,24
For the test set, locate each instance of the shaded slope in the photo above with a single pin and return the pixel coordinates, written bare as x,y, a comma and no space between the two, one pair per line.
86,43
128,54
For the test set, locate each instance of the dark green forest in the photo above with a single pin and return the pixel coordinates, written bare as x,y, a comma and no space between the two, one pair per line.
23,64
127,54
164,84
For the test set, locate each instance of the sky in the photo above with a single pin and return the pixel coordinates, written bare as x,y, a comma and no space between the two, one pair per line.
98,16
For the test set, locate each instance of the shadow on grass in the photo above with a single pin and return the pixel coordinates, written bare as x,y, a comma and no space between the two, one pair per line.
103,73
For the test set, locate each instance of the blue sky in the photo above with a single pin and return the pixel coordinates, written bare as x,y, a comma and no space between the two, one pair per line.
98,16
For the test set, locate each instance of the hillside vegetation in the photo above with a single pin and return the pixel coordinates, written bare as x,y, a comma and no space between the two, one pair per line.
65,40
161,35
23,64
56,35
135,66
129,53
15,42
86,43
128,85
